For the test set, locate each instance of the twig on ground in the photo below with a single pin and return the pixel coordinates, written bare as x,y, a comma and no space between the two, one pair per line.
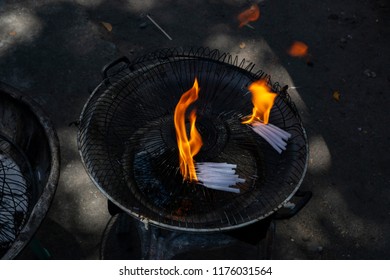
159,27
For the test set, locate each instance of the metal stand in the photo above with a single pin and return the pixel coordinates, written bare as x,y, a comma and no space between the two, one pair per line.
128,238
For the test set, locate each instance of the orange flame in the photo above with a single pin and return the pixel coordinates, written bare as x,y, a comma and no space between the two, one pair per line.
251,14
263,100
298,49
187,148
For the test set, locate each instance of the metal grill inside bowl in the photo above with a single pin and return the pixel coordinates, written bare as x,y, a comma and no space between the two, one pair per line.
29,169
127,142
16,192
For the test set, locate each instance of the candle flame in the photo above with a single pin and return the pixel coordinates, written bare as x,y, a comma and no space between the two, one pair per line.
263,100
187,148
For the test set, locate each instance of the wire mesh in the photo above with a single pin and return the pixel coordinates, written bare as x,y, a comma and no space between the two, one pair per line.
128,145
15,192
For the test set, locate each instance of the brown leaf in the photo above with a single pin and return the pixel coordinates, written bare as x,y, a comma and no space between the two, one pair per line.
336,96
107,25
242,45
12,33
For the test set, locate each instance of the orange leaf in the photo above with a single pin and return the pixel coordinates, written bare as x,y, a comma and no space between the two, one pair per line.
298,49
251,14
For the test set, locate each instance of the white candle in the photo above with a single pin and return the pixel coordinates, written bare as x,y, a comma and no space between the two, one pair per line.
218,176
275,138
267,138
284,134
274,135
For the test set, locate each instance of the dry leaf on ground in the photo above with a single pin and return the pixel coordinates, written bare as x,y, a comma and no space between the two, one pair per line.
336,96
107,25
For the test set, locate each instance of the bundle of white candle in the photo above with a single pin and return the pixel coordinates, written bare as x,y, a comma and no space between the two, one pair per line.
218,176
274,135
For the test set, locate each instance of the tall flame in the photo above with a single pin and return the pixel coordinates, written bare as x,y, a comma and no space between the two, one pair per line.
187,148
251,14
263,100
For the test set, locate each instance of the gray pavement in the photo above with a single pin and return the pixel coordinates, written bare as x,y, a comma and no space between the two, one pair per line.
54,50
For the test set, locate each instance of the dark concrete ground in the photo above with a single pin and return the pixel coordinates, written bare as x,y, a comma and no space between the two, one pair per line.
54,50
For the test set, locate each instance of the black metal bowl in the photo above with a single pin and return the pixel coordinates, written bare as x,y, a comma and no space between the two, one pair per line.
28,139
128,146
